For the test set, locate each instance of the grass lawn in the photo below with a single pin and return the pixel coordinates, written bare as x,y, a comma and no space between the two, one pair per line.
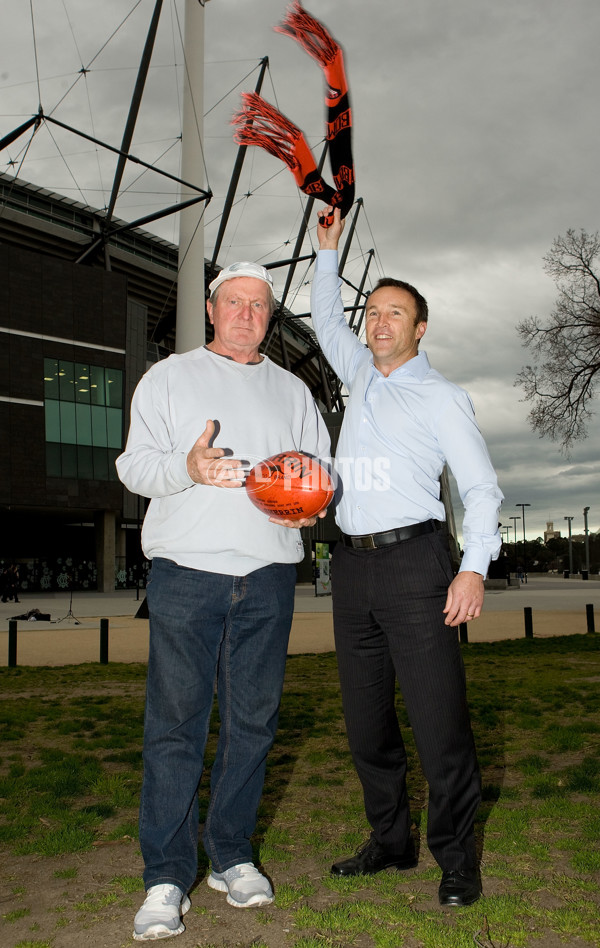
70,774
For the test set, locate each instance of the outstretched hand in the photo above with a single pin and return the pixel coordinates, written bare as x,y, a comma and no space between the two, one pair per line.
208,465
329,237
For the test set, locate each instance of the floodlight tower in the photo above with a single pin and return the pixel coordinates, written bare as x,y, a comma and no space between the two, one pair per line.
522,506
570,546
587,539
514,520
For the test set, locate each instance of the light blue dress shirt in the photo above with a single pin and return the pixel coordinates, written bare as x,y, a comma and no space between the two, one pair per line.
397,434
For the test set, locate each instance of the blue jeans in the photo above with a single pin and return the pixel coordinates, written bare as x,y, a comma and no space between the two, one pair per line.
207,628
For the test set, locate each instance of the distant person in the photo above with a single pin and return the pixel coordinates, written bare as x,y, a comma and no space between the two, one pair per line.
396,600
220,593
10,584
4,583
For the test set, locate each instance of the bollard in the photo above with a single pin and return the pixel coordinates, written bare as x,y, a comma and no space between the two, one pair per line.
464,635
528,622
589,611
104,641
12,643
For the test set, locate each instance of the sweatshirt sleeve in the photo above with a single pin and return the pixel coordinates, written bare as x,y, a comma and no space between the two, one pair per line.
151,465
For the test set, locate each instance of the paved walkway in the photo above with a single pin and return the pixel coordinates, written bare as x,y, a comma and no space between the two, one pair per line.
558,608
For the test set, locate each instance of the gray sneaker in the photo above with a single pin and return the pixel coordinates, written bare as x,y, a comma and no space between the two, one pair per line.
244,885
160,915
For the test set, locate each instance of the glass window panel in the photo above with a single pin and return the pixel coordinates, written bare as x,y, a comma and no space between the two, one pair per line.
100,464
53,464
68,430
114,417
52,412
85,461
112,470
97,385
51,378
114,388
82,382
66,379
99,426
69,460
83,417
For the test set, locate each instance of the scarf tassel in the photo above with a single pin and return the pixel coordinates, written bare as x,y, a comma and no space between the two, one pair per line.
310,33
259,123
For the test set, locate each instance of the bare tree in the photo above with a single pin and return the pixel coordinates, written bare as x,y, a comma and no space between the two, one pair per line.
566,347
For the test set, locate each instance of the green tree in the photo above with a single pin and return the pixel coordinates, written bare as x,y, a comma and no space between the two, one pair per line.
559,550
539,557
560,382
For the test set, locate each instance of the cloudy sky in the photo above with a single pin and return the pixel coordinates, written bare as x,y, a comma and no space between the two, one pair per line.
476,143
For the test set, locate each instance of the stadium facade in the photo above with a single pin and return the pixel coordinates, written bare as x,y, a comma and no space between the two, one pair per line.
82,316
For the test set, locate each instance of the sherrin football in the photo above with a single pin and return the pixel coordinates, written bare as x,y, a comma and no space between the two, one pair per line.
290,485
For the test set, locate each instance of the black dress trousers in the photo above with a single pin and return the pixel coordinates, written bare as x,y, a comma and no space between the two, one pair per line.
389,624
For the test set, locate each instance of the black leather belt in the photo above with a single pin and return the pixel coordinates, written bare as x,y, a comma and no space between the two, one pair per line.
373,541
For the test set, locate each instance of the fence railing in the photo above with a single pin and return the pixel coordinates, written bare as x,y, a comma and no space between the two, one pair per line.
104,636
528,623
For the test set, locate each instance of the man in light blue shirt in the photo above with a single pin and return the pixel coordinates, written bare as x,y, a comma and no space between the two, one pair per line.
396,600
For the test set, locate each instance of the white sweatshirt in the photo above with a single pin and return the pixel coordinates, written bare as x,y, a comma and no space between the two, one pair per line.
259,410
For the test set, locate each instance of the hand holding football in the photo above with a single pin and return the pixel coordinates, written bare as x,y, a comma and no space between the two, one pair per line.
290,486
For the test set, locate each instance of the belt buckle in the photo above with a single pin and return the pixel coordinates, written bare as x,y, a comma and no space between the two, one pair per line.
368,542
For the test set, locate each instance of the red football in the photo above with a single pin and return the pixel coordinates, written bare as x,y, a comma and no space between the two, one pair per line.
290,485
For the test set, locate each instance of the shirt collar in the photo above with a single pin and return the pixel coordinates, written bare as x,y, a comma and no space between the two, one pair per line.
418,367
223,356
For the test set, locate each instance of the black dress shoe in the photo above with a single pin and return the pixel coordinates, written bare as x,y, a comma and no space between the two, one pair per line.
460,887
373,858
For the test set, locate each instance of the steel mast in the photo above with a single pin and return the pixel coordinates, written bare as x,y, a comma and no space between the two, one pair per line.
190,325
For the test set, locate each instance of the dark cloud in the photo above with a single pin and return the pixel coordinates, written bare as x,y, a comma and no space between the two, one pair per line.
475,141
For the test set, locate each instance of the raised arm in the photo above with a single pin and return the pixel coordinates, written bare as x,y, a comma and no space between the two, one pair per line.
341,347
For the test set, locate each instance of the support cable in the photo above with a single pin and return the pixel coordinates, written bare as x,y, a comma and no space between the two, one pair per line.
35,55
85,69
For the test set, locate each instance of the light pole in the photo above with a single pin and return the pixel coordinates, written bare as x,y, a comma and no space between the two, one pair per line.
514,520
570,545
522,506
587,540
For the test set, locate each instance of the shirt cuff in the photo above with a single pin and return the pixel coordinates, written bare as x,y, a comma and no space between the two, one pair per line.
475,561
327,261
179,471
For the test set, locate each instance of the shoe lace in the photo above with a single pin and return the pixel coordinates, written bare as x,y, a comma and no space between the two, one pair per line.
169,895
371,844
242,869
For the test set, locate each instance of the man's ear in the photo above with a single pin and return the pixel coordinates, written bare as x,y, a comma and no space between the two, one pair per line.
209,310
421,330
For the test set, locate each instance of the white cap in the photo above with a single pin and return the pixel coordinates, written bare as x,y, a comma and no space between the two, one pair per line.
243,269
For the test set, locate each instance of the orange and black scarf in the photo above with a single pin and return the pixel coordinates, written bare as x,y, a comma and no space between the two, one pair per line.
259,123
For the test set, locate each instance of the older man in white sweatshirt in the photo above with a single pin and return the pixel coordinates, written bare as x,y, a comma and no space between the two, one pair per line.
220,592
